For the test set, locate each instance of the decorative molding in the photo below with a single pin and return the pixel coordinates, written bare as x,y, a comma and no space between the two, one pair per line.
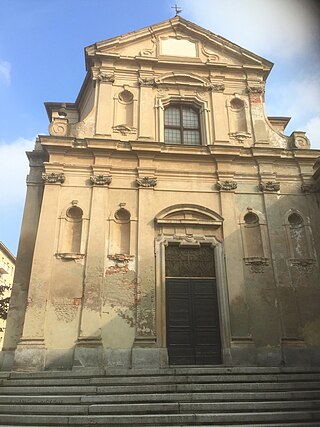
310,187
79,143
256,264
66,256
101,179
150,52
102,76
147,81
303,264
255,89
269,186
240,136
299,141
83,129
212,57
121,260
147,52
124,129
227,185
215,87
58,127
53,178
146,181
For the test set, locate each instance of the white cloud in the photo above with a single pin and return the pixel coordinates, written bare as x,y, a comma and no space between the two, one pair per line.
14,167
313,131
5,72
280,28
287,32
295,97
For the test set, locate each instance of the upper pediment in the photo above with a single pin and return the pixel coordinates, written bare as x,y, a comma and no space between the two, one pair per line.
175,40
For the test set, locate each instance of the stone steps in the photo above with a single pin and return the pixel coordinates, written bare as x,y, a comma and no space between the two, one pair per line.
162,379
155,408
240,418
154,388
169,397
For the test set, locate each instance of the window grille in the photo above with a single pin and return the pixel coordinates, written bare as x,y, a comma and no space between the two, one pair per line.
182,125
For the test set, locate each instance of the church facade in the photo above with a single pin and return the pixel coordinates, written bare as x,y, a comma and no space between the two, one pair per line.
168,220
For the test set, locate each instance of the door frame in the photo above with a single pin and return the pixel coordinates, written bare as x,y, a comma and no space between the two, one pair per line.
161,242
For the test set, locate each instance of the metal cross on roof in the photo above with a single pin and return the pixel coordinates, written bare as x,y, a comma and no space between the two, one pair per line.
177,9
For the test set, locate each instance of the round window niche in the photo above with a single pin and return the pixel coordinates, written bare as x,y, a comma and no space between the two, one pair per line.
125,96
251,218
74,213
122,215
295,219
236,104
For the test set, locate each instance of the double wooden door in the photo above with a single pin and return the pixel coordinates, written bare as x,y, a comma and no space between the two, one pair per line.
193,332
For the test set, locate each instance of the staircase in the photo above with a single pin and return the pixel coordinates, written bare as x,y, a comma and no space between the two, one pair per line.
182,396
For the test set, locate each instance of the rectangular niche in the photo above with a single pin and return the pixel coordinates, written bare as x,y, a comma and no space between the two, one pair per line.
179,47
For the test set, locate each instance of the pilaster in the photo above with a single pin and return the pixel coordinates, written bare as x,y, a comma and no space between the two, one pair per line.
104,103
146,105
88,351
145,315
29,228
30,353
241,339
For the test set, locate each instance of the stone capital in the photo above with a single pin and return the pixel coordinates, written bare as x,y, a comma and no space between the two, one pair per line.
226,185
101,179
269,186
53,178
146,181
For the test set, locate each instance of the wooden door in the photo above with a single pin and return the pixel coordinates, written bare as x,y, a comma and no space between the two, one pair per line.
193,333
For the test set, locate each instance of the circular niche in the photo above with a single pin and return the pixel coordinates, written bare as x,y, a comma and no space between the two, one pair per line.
251,218
74,213
122,215
295,219
236,104
125,96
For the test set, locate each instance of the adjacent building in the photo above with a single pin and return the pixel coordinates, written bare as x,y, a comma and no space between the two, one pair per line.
7,265
168,220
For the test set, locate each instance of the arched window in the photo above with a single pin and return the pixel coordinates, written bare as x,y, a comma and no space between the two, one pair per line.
182,124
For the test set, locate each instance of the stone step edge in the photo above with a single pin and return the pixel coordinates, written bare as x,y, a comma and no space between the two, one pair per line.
163,418
159,408
241,378
161,371
230,396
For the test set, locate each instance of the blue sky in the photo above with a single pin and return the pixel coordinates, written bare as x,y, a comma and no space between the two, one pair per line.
42,59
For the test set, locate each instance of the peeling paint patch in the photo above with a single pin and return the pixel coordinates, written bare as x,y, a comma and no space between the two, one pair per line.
115,269
66,309
119,292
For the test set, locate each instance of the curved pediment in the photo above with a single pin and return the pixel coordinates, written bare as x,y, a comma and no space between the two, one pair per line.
188,214
183,79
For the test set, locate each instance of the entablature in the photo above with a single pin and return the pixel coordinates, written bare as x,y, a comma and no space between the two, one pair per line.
216,150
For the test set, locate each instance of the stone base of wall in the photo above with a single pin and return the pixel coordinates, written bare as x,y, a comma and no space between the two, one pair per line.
39,359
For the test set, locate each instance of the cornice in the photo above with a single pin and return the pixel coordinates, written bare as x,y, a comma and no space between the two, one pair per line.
104,146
